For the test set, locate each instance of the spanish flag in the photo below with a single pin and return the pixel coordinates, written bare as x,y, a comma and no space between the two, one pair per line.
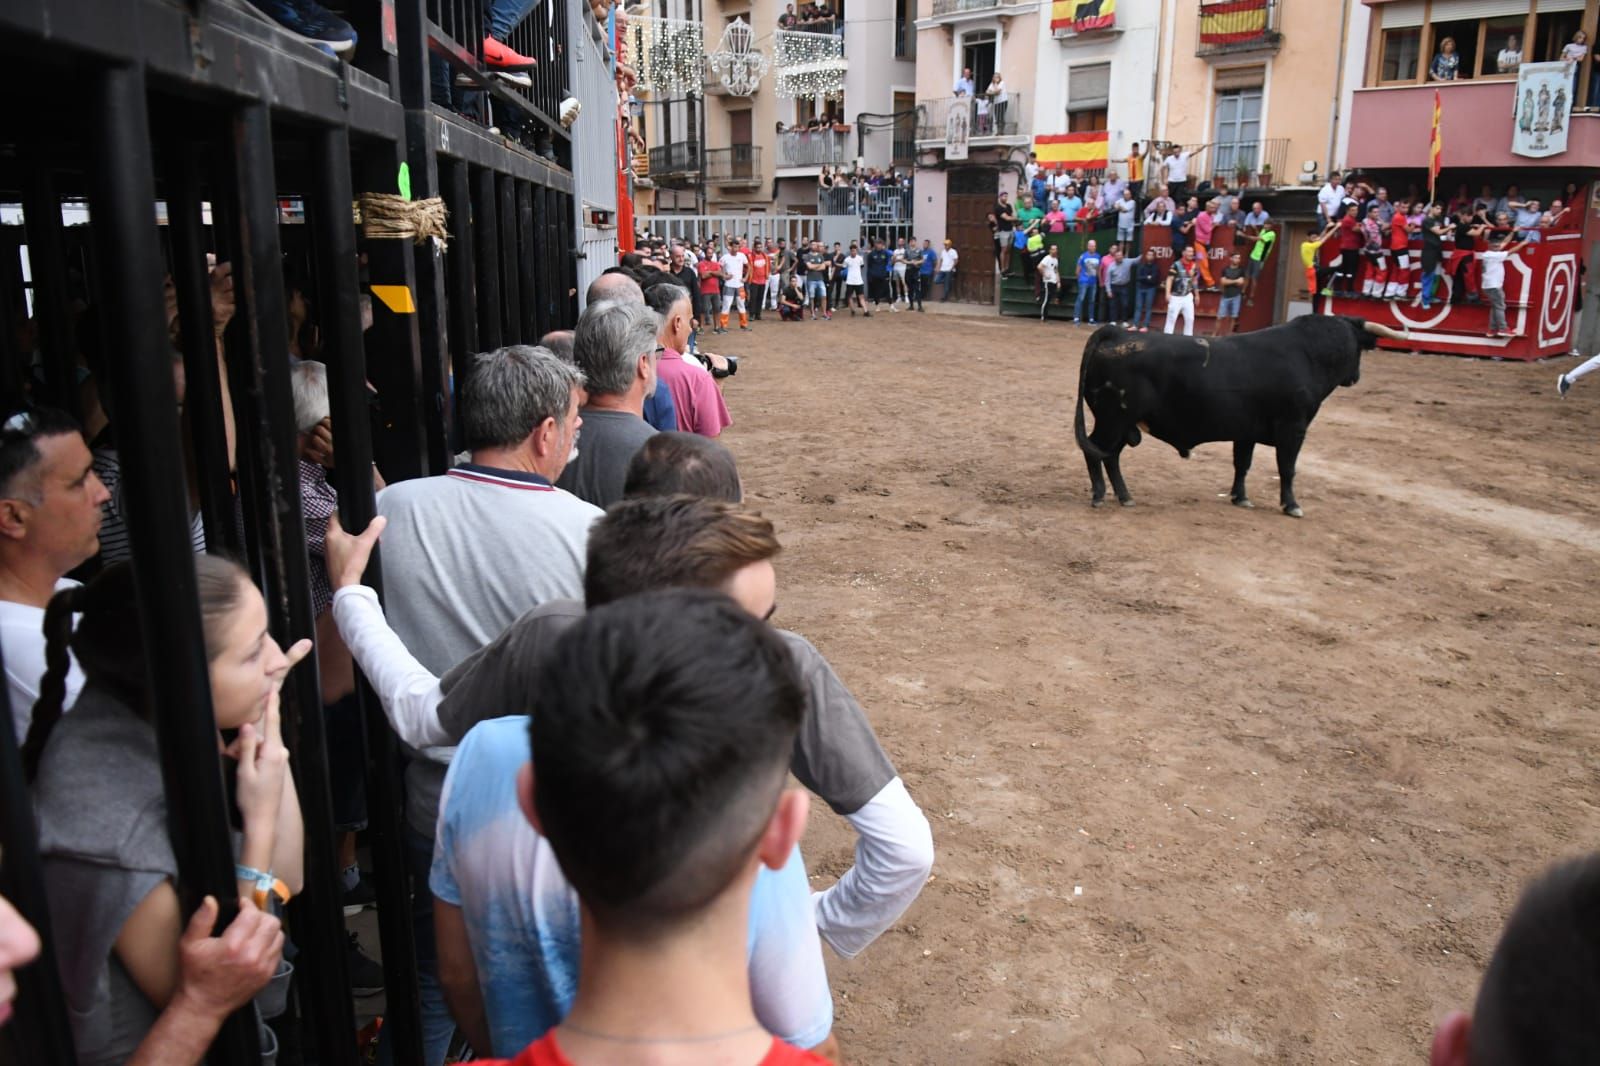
1081,16
1087,150
1231,21
1435,147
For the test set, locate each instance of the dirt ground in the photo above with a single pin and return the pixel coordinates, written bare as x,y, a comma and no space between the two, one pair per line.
1298,769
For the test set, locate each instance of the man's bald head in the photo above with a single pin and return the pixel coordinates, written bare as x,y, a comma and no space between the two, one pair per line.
614,286
559,341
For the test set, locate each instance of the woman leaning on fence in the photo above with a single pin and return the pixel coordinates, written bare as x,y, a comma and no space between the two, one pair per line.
141,988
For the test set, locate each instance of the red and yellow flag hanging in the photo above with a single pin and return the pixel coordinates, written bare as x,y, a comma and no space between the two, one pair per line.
1231,21
1081,16
1087,150
1435,147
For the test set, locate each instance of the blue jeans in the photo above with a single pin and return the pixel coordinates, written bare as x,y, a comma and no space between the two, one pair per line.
437,1024
1430,278
1087,290
941,278
1144,301
500,17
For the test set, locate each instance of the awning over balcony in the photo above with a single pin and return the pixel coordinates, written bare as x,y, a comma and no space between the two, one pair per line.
1389,128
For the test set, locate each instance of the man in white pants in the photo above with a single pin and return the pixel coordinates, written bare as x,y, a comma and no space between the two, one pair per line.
1049,279
1180,292
774,276
1564,382
734,266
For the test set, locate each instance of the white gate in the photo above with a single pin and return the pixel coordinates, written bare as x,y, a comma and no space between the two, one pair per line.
699,228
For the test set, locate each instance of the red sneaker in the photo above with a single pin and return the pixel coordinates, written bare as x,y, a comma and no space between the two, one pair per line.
498,56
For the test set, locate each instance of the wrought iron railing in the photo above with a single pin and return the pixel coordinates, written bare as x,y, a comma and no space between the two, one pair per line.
740,163
956,7
1229,26
985,117
679,157
1259,163
815,148
456,31
870,203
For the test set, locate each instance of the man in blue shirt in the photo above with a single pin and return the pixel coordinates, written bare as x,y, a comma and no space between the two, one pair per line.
1088,282
930,260
878,274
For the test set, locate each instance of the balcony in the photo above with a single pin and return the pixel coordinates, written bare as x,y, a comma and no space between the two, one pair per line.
1474,124
1237,27
1005,124
815,148
943,12
739,165
870,203
1258,164
677,165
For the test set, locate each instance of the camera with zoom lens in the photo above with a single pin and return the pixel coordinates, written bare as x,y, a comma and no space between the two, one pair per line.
717,371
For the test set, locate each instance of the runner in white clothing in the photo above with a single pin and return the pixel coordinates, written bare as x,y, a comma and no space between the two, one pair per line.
1050,279
734,263
855,282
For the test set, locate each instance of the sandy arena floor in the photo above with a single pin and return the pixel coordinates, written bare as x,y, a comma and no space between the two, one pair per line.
1298,769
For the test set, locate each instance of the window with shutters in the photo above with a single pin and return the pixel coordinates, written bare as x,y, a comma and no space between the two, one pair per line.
1088,97
1398,62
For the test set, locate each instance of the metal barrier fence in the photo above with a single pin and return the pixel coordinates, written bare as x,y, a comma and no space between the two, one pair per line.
695,229
155,126
990,119
870,203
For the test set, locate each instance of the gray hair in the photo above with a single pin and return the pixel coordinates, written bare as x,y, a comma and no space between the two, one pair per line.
308,380
610,338
511,391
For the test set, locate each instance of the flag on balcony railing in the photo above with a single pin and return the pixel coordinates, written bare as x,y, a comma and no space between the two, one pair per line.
1081,16
1087,150
1231,21
1435,147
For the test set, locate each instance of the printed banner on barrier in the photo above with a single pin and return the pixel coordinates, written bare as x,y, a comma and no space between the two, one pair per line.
1544,97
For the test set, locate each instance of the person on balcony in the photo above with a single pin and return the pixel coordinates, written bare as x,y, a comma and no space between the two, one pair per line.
963,85
1510,57
1446,64
983,126
1575,52
999,101
788,20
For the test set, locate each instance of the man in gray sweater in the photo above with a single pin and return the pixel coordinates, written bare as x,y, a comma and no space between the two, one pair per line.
466,554
615,346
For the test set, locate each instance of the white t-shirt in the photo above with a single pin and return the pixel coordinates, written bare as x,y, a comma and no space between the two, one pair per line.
1573,52
22,643
947,260
1178,167
852,269
898,258
1494,269
1062,180
733,264
1030,170
1050,270
1329,198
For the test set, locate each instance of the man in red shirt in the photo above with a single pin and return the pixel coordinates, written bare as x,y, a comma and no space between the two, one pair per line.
1350,241
1398,285
660,754
759,267
695,395
711,275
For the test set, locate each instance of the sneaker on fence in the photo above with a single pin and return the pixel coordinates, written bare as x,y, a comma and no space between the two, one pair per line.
366,976
499,56
311,21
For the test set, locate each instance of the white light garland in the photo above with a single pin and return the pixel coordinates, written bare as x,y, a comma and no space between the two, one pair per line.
809,64
737,61
669,54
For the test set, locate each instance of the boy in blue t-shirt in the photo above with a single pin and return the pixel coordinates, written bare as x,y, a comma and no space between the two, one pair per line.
930,262
1088,282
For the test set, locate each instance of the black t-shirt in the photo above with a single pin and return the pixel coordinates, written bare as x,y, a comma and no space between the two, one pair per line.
1002,223
878,263
1465,242
1232,273
838,264
688,277
1432,242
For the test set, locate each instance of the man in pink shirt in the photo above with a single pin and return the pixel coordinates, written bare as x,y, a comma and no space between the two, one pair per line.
1204,223
694,392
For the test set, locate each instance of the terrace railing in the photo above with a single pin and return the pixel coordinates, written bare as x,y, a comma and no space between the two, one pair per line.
815,148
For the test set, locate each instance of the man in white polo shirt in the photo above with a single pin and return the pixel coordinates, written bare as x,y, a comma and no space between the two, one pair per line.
50,513
735,264
947,268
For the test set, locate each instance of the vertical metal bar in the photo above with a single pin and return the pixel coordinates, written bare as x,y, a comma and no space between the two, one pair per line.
486,234
335,246
533,324
41,1023
122,198
13,361
565,290
460,266
431,325
538,261
47,259
202,377
510,286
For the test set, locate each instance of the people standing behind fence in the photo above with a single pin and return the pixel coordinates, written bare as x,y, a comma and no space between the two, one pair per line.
1135,165
760,273
1088,278
1055,219
946,274
1121,278
1126,208
815,264
138,987
50,517
926,272
1231,283
734,267
1159,211
710,271
897,274
1146,282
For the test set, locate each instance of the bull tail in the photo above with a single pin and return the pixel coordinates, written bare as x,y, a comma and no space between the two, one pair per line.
1089,448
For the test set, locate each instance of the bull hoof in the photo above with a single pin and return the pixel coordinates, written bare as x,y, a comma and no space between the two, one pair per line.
1097,503
1241,501
1126,503
1294,511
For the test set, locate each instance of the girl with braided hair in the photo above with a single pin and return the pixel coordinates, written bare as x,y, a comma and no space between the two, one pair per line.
140,987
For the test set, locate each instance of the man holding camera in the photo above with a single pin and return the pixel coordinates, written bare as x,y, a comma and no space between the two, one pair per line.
695,394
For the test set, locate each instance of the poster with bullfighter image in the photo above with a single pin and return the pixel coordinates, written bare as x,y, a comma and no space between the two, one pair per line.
1539,119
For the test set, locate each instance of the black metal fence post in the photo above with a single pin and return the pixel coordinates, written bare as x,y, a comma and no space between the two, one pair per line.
510,288
122,198
47,248
329,213
461,302
486,235
532,326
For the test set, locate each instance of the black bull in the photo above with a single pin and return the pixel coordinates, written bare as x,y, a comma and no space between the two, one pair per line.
1251,388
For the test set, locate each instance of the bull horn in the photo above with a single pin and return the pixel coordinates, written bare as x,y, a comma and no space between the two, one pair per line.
1381,330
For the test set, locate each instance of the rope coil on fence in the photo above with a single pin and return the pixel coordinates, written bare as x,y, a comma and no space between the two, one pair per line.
388,215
